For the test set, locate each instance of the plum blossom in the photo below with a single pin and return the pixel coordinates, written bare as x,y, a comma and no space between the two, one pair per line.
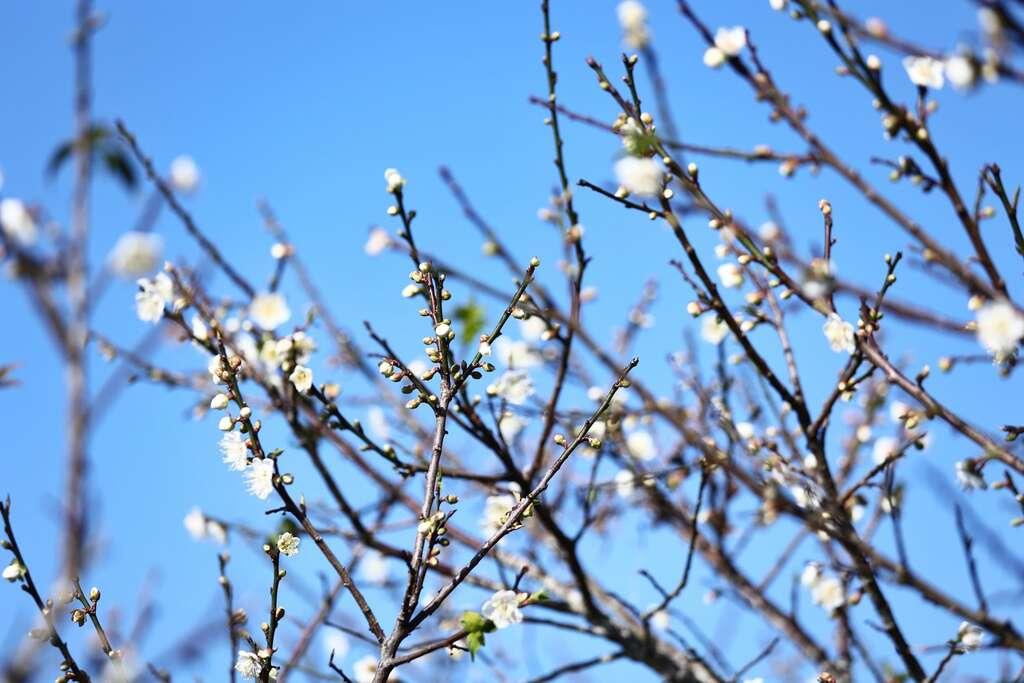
1000,328
925,72
503,609
184,174
514,386
248,664
259,477
233,451
642,177
17,222
153,296
839,334
269,310
135,253
633,20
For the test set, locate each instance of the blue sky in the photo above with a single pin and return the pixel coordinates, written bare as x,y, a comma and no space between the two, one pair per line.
307,106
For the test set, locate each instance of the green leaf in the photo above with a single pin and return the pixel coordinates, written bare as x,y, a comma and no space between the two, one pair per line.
474,641
539,596
473,622
471,317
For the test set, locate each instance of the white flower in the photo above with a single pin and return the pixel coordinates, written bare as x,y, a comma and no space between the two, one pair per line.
496,509
195,524
839,334
533,328
925,72
503,609
1000,327
969,636
625,483
641,445
510,425
411,290
885,446
731,41
378,241
730,274
515,354
336,642
302,378
269,310
968,475
828,593
199,329
960,72
633,20
259,478
393,179
233,451
13,571
378,423
17,221
640,176
660,620
288,544
810,575
713,57
153,296
184,174
514,386
712,330
777,5
248,664
365,669
375,568
135,253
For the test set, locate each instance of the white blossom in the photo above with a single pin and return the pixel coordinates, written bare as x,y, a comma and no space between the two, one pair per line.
335,642
378,423
503,609
731,41
515,354
713,57
712,330
496,509
375,568
17,222
642,177
960,72
730,275
533,328
394,180
810,575
968,476
269,310
777,5
365,669
248,664
641,445
302,378
13,571
625,483
377,241
885,446
510,426
839,334
288,544
969,636
184,174
233,451
135,253
195,523
514,386
1000,328
828,592
924,71
633,20
153,296
259,477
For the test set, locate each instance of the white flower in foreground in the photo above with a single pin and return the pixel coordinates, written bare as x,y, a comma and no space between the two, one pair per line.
828,593
377,242
641,445
503,609
496,509
153,296
288,544
968,476
515,354
13,571
839,334
885,446
135,253
259,478
810,575
302,378
533,328
633,20
233,451
925,72
731,41
17,222
713,57
1000,327
394,180
969,636
960,72
730,275
248,664
514,386
640,176
365,669
269,310
712,330
184,174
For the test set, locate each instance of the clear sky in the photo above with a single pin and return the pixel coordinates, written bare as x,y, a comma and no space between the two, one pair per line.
306,104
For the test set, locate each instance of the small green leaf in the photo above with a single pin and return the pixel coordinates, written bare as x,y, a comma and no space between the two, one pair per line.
471,319
473,622
539,596
474,641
